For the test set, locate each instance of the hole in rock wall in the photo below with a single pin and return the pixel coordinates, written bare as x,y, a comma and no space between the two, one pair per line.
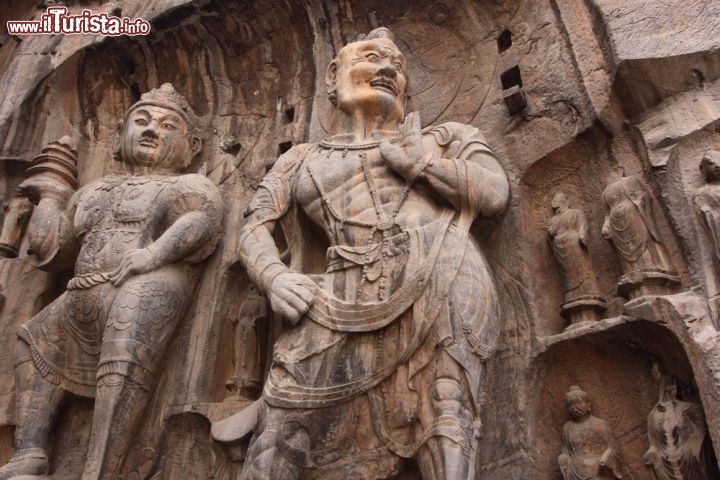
284,147
511,78
504,41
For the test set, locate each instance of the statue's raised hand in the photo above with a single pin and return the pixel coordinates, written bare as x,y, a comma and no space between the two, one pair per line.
38,187
291,295
406,157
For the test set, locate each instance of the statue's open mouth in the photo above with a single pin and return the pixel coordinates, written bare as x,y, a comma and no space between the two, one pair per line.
384,84
146,142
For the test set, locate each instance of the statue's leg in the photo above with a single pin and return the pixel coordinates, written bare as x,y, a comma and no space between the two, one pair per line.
140,325
446,456
38,403
265,459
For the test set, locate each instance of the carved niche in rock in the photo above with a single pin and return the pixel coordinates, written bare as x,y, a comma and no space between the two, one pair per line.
630,226
406,297
568,236
677,434
135,242
589,450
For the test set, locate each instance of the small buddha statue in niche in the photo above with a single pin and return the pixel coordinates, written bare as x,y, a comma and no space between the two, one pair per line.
568,234
589,450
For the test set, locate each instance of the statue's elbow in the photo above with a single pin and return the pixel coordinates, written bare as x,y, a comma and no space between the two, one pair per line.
496,204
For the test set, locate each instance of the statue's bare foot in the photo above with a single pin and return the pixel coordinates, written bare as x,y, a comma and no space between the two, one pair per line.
33,461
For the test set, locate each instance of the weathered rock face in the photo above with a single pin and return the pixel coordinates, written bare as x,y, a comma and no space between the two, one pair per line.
614,103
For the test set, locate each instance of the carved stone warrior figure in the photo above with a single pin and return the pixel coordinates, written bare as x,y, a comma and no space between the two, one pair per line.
707,198
677,436
136,241
630,226
383,357
589,450
568,236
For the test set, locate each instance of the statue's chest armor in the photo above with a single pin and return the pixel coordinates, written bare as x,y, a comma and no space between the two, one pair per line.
123,205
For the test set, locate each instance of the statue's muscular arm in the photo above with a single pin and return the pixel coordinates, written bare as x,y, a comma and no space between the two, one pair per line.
477,182
290,293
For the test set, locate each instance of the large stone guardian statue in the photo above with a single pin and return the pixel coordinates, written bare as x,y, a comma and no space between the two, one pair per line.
383,355
136,241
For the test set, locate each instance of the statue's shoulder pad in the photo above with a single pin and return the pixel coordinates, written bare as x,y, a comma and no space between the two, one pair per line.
453,131
290,160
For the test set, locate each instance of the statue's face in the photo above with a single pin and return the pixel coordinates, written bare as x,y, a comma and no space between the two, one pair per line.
156,137
578,406
371,76
560,203
711,168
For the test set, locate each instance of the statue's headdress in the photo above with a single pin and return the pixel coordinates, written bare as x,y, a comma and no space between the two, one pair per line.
167,97
380,32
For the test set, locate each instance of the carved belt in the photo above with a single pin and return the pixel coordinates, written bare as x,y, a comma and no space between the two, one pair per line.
340,257
89,280
339,315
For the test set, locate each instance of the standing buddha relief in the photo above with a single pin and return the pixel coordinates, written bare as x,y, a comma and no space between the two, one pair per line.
707,198
382,355
630,226
568,234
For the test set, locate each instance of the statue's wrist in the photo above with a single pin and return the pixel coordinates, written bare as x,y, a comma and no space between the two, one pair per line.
58,195
420,169
155,256
270,273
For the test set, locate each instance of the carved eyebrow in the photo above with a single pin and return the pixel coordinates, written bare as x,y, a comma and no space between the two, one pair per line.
172,118
141,111
382,52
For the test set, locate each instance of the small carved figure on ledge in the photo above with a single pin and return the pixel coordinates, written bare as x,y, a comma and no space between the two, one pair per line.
135,241
250,328
679,446
384,353
630,226
589,450
568,236
707,198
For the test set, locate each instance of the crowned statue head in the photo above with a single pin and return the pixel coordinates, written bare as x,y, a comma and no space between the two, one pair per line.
158,133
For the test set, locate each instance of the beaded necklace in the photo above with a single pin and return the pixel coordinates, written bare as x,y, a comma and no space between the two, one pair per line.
383,223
